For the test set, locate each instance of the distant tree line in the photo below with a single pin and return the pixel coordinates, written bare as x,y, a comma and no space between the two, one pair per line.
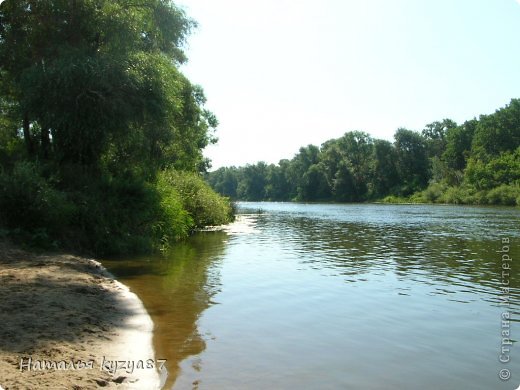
477,162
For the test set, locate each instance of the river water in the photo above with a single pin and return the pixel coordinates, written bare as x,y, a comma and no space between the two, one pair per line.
320,296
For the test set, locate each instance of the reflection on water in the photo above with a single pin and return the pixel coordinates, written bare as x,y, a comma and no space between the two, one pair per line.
336,296
175,289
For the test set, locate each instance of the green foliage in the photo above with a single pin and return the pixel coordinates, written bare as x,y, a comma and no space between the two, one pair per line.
458,145
29,203
224,181
393,199
445,163
278,186
504,194
412,160
107,215
344,188
174,222
314,184
253,182
435,136
384,175
454,195
202,204
97,83
499,132
114,216
95,115
434,192
489,172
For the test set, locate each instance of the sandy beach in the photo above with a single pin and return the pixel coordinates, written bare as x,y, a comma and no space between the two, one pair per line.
67,324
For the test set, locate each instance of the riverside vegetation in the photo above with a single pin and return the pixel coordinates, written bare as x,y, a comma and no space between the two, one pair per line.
101,135
477,162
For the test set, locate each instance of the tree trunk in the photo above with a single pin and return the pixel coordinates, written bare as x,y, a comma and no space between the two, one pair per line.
45,143
27,135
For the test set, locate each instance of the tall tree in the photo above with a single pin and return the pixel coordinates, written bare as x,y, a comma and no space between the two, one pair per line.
300,164
498,132
99,80
412,160
384,175
314,185
253,182
458,145
435,135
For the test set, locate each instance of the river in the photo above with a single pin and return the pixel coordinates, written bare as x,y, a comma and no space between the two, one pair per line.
321,296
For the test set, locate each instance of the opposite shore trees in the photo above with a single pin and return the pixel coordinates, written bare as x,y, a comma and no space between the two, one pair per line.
477,162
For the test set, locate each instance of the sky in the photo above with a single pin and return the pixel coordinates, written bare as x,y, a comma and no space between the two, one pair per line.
281,74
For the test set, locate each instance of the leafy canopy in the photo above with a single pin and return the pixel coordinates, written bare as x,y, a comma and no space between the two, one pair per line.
97,82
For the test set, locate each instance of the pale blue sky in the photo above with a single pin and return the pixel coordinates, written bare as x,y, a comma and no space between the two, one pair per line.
280,74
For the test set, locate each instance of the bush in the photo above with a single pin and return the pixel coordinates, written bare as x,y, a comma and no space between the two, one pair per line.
113,216
452,195
504,195
434,192
173,222
395,199
203,205
103,214
418,197
28,202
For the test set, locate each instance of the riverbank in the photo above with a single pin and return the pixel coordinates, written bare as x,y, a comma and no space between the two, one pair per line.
66,323
441,194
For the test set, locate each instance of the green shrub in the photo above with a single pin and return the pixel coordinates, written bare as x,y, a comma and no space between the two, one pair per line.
478,197
434,192
418,197
103,214
204,205
173,222
395,199
128,215
452,195
504,195
29,203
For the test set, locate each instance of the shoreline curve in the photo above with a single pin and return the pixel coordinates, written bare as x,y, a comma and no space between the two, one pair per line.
67,323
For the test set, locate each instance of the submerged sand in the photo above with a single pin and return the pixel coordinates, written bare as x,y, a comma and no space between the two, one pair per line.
65,323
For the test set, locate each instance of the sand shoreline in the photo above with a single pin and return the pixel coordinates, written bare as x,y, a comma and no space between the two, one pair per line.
66,323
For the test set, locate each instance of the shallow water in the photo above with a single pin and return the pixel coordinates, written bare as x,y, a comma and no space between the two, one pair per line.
308,296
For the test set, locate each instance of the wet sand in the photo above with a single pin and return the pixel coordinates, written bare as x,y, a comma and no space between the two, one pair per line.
65,323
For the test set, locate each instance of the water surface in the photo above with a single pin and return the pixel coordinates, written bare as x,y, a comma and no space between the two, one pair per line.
308,296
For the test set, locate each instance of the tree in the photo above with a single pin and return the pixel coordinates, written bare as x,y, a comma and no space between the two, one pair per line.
344,187
314,185
299,165
347,162
278,187
458,145
498,132
92,91
384,175
96,82
331,157
357,147
356,167
435,136
501,169
225,181
412,160
253,182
